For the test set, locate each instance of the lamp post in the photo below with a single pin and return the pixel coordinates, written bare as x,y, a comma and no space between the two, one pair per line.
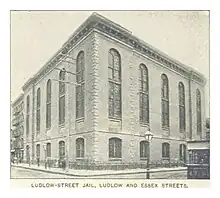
148,137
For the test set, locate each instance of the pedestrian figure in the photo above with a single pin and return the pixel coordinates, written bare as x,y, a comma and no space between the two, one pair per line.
45,163
38,162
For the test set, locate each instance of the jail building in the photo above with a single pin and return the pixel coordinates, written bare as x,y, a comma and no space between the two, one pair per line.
94,100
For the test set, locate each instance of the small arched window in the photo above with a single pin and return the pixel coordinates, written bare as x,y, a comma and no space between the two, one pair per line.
80,67
143,95
114,79
27,115
80,148
38,151
62,92
182,122
115,146
198,112
182,150
165,150
48,105
61,150
165,101
48,149
38,111
28,153
144,149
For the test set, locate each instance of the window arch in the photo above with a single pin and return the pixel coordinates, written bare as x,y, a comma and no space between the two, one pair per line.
143,95
115,146
27,115
182,154
144,149
165,101
165,150
62,92
61,150
80,67
38,111
79,147
48,105
198,112
114,79
182,118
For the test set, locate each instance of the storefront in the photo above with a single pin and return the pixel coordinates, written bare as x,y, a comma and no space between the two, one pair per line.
198,159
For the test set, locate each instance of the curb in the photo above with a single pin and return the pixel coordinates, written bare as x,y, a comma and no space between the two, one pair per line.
96,175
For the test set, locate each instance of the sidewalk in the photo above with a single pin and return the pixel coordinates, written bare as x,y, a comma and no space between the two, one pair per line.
96,173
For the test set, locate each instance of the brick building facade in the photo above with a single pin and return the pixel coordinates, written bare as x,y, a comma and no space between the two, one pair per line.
122,88
17,130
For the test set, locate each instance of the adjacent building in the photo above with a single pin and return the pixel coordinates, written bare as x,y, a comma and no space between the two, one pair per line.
17,131
92,102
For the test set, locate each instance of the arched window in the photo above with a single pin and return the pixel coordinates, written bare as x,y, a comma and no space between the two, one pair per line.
198,112
80,67
114,79
165,150
182,150
115,147
144,149
38,151
38,111
62,92
48,105
27,115
80,148
182,122
61,150
28,153
144,95
165,101
22,142
48,149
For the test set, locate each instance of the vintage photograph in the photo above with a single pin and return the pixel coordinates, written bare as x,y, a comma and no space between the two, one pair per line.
110,94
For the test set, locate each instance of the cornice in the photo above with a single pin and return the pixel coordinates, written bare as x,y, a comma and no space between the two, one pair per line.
17,100
114,30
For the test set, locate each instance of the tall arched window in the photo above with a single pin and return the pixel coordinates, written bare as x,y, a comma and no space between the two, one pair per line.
182,122
144,95
61,150
48,105
144,149
198,112
165,150
79,147
62,92
115,147
114,79
80,67
165,101
38,111
27,115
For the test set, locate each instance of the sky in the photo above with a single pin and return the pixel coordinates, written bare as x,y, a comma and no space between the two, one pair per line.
37,35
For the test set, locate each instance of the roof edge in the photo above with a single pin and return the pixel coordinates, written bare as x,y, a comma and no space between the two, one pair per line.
18,99
91,23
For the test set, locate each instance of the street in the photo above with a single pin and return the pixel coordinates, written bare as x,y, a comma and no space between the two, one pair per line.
20,173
